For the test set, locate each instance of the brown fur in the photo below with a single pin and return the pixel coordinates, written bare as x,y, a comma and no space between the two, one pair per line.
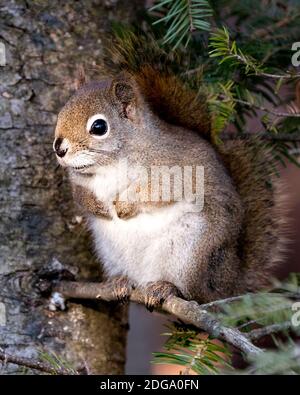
243,241
89,203
171,100
262,239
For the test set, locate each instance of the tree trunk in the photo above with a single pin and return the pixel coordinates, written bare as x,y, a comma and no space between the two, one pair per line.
45,41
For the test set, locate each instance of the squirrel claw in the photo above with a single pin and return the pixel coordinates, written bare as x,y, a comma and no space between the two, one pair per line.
122,288
157,292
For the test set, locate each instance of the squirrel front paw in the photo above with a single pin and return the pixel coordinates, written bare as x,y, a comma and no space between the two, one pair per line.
157,292
122,288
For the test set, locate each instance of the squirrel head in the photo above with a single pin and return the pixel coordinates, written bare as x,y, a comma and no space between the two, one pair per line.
97,122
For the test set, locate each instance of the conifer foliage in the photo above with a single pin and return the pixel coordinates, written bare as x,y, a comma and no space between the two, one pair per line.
239,54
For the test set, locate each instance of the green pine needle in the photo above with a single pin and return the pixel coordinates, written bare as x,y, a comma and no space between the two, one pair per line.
186,348
182,18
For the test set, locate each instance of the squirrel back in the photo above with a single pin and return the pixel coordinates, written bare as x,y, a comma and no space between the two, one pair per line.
248,161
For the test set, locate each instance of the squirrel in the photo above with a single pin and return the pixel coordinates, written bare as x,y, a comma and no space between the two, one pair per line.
145,117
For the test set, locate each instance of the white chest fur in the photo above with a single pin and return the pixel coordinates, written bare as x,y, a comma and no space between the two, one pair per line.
149,247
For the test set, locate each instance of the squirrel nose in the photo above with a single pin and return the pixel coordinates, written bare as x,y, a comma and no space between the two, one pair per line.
59,150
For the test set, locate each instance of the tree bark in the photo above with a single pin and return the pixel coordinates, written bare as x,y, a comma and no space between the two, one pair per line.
45,41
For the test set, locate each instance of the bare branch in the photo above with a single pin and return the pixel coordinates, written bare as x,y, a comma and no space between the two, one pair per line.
279,114
292,137
32,364
220,302
188,311
256,334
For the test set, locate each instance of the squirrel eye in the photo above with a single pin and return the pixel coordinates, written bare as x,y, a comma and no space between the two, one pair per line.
98,126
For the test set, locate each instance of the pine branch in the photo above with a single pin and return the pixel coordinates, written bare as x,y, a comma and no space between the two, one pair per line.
285,360
196,354
182,17
222,46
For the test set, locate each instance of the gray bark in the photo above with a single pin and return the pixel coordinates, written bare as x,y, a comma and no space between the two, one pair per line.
45,42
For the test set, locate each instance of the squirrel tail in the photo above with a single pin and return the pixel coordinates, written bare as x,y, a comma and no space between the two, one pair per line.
262,240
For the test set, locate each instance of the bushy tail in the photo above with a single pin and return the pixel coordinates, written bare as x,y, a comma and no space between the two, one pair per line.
263,238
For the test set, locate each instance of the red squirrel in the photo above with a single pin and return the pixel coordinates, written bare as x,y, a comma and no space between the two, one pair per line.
148,118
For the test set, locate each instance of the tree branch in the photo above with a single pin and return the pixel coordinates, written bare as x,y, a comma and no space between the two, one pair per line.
292,137
32,364
188,311
279,114
286,76
256,334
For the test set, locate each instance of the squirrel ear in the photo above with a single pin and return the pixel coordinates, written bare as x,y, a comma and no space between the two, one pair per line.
80,77
124,91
